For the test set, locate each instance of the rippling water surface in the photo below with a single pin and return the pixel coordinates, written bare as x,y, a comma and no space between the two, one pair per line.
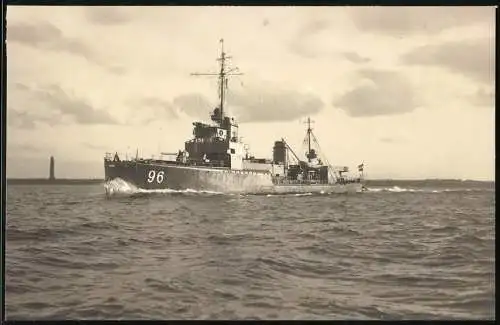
394,252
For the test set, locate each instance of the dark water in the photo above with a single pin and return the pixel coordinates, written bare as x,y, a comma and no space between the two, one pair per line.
395,252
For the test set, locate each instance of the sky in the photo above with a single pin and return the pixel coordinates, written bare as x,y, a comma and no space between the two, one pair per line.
409,91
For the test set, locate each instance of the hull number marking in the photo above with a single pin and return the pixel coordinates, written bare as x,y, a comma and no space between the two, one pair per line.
152,175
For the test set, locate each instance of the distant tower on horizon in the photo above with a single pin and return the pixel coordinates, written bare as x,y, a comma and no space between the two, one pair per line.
52,167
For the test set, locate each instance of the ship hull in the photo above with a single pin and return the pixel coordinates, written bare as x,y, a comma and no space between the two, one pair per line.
151,176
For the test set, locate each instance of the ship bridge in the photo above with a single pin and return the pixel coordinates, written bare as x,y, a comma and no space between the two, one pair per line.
215,143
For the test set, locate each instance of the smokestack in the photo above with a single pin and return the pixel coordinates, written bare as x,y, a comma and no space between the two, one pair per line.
52,174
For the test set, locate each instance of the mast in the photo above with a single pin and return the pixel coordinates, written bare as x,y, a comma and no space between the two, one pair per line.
308,138
222,78
222,75
309,134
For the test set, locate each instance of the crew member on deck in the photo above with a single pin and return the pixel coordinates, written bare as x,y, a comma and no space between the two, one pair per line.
185,156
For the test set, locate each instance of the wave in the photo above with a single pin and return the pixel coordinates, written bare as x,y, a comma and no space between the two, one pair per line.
119,186
291,194
397,189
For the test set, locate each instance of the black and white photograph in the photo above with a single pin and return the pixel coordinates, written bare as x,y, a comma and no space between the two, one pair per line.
249,162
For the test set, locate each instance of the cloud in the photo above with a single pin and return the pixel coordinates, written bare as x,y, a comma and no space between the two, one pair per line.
474,58
150,109
20,86
21,120
61,103
382,92
26,150
252,104
313,27
256,104
301,43
94,146
355,57
483,97
23,148
78,108
401,21
194,105
391,140
387,140
107,15
46,36
305,43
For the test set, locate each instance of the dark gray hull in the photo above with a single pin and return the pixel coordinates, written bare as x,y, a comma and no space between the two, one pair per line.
319,188
152,176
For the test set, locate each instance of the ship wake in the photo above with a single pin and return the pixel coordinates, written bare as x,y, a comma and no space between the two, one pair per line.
119,187
397,189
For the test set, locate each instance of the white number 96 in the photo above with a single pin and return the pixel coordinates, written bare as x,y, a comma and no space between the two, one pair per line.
159,176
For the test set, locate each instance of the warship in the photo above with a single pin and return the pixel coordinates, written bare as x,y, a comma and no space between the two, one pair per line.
215,159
